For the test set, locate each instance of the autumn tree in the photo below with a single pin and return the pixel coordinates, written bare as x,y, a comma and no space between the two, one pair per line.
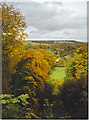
74,91
64,49
31,75
13,26
50,57
78,64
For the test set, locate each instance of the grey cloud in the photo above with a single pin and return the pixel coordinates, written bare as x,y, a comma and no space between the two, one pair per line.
55,20
67,33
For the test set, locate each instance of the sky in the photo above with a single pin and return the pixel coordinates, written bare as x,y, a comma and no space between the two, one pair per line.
55,20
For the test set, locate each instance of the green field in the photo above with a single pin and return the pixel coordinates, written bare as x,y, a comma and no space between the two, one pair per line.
57,77
33,43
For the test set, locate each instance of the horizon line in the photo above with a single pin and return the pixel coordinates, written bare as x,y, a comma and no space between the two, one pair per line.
56,39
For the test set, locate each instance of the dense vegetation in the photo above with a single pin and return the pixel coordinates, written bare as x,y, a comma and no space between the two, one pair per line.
30,89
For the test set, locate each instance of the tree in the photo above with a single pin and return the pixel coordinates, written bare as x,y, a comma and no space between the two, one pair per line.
49,57
75,98
78,64
13,26
74,91
30,76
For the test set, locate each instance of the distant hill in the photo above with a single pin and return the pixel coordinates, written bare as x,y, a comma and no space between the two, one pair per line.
53,41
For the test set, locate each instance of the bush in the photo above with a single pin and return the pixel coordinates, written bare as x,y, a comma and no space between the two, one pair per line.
15,107
75,98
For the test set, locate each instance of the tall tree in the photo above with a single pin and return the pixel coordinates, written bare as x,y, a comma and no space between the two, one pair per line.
13,26
79,63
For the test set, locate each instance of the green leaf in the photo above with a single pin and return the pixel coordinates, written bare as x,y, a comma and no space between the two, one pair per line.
14,107
6,95
15,100
5,101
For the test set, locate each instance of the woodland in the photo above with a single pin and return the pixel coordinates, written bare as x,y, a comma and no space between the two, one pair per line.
40,80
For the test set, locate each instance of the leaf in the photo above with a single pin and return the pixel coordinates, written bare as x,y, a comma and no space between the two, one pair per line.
6,95
5,101
15,100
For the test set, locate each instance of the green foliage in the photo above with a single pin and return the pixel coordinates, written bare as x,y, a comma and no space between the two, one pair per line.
16,107
8,98
23,98
50,105
79,64
64,61
74,97
64,49
74,90
46,101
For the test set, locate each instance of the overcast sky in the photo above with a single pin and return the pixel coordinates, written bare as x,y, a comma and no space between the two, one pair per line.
50,20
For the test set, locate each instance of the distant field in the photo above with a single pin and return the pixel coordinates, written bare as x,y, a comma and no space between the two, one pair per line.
57,77
33,43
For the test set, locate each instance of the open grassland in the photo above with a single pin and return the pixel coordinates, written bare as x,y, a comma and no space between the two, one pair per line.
57,77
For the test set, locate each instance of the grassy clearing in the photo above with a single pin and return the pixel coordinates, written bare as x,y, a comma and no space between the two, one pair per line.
57,77
58,73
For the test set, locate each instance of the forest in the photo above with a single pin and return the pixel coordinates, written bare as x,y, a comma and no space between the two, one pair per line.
41,80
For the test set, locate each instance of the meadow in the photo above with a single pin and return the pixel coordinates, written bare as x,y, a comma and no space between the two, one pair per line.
56,78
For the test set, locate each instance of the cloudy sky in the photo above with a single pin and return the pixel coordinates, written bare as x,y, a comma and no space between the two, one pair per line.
55,20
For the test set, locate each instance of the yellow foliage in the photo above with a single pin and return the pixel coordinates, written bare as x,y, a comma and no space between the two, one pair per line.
12,42
79,64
